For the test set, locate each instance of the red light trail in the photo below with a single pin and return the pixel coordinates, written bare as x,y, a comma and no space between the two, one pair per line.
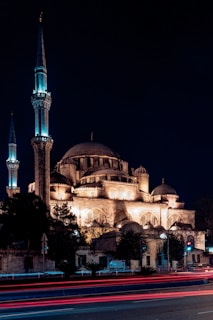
101,299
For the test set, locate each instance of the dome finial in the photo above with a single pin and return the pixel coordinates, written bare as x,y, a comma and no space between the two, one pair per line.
91,136
163,180
41,17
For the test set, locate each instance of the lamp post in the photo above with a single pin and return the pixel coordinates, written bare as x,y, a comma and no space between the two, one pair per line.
168,253
44,248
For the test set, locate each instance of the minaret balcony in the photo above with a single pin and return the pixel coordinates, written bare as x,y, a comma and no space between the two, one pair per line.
38,138
41,97
42,94
13,164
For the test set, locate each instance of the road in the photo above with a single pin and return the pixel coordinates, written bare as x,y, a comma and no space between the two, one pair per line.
185,305
98,286
129,298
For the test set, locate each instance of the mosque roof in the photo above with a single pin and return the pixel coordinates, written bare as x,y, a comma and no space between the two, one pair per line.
90,148
56,177
128,226
163,189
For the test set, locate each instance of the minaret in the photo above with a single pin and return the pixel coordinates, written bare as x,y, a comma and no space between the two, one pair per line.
42,141
12,162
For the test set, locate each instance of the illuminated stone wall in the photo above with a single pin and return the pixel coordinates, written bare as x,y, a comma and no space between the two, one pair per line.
110,212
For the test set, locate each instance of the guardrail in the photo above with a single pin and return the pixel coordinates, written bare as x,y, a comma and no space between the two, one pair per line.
46,274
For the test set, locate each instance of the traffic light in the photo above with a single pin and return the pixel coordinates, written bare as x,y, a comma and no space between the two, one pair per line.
189,246
143,247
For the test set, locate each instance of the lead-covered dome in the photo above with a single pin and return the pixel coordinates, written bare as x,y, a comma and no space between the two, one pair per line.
56,177
90,148
131,226
163,189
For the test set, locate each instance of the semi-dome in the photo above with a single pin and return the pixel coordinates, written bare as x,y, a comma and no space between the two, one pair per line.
56,177
163,189
90,148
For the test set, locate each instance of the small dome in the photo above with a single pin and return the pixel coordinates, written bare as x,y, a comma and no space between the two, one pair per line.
90,148
56,177
131,226
163,189
140,170
177,225
148,225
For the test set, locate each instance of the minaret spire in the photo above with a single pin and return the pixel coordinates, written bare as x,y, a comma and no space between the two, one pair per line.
42,141
12,162
40,68
41,17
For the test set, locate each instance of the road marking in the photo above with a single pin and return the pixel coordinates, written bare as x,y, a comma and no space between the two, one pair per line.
203,312
19,314
151,300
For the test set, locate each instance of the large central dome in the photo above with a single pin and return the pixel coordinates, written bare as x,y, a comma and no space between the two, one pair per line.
90,149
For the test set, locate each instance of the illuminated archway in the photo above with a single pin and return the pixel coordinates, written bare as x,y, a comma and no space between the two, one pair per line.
149,217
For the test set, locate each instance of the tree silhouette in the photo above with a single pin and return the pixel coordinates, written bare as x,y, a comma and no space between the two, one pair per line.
64,238
23,220
130,246
176,248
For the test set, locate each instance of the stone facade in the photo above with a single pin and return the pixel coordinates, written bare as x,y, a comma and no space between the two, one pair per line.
112,212
20,261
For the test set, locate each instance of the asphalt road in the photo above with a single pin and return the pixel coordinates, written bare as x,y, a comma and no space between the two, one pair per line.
96,287
161,298
156,308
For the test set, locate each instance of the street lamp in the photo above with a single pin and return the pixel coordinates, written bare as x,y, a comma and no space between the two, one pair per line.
44,249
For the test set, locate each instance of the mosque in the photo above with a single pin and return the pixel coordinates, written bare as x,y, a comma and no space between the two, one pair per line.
96,184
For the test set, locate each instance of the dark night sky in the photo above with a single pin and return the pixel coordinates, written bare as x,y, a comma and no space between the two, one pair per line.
138,75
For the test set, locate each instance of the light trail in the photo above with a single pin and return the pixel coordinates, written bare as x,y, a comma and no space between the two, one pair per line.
104,282
101,299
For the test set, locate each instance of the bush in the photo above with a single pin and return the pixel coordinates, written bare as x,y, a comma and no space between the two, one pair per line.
94,267
67,268
145,271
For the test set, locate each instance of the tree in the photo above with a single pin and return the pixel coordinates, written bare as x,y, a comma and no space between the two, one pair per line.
130,246
64,214
176,248
64,238
24,219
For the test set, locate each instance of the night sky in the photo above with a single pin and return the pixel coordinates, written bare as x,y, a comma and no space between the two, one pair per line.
138,74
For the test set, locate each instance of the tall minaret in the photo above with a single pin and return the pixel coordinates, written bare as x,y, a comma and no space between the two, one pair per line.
12,162
42,141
